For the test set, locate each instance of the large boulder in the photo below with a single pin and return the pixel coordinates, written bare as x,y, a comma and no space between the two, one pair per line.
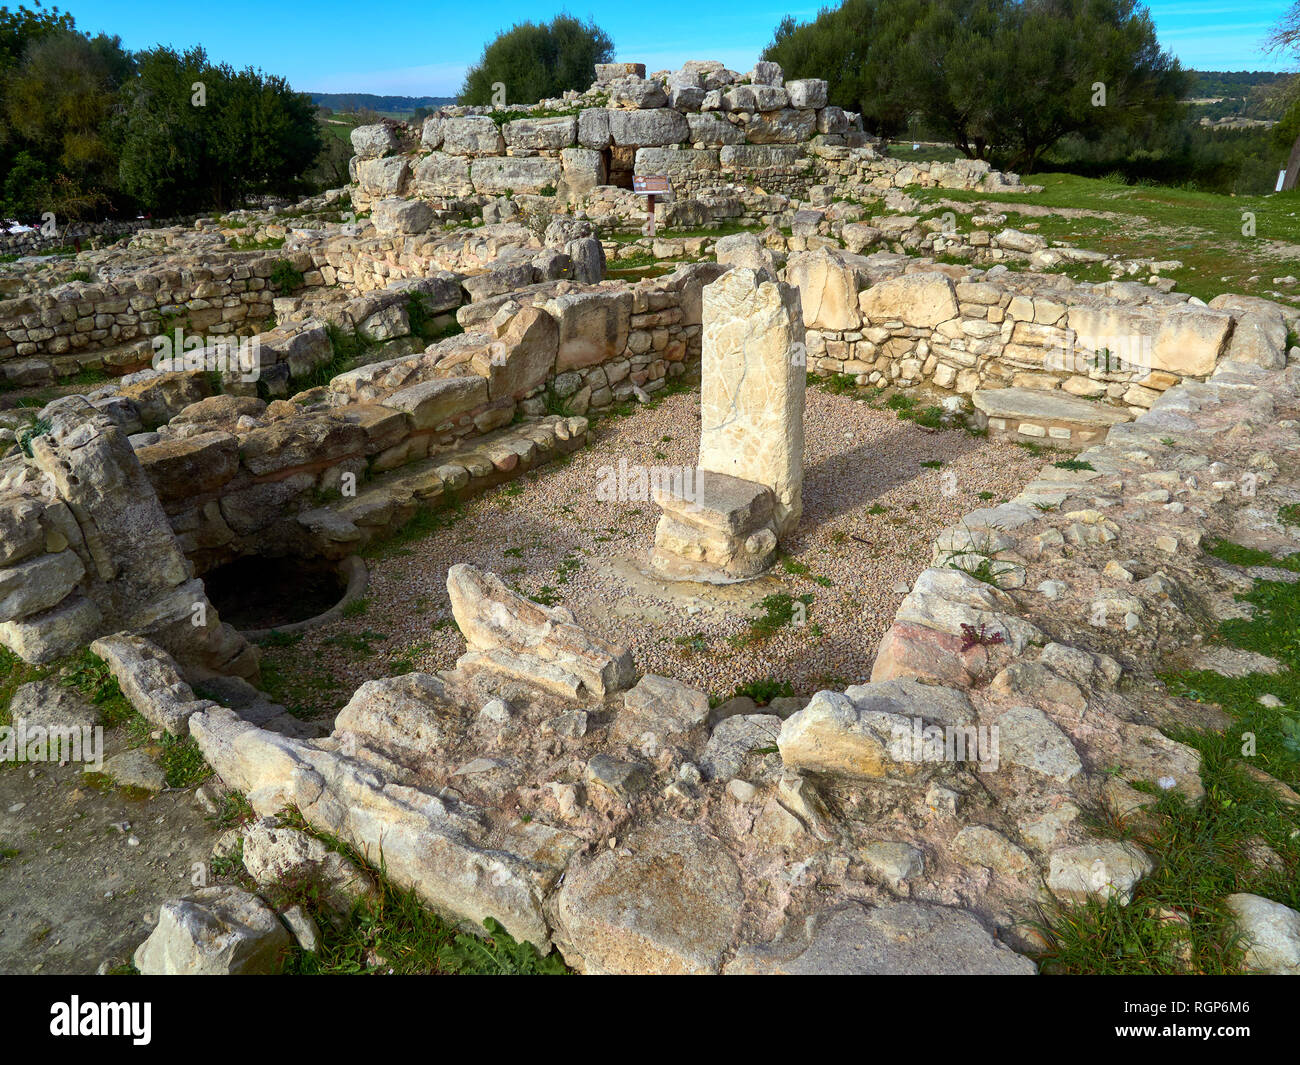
372,142
396,217
472,135
541,133
442,175
594,327
494,176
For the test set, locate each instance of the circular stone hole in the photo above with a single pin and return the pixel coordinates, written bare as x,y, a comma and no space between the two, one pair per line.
266,593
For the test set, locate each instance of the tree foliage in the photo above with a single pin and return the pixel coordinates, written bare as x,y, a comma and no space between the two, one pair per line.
1000,78
86,127
536,61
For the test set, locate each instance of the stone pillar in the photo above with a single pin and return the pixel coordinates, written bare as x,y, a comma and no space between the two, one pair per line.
752,392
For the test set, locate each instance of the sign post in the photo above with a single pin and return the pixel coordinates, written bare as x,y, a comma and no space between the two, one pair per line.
650,186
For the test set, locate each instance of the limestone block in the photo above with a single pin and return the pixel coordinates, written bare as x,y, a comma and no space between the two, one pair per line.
752,393
828,289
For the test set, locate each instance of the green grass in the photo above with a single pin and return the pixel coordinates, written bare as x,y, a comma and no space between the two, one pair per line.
424,523
779,610
1201,229
1073,464
1202,854
765,690
395,933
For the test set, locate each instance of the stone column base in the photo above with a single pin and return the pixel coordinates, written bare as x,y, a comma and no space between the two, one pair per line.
715,528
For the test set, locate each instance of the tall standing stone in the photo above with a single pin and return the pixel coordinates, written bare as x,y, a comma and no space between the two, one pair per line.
752,393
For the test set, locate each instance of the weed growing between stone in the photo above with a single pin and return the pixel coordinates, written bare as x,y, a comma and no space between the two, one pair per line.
1244,836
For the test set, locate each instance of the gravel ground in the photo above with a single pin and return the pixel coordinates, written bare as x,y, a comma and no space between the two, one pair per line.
871,511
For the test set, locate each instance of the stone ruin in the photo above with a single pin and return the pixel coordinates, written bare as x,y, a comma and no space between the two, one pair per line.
542,781
724,522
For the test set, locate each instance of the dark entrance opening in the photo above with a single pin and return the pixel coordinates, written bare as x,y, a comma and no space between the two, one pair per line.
262,593
620,163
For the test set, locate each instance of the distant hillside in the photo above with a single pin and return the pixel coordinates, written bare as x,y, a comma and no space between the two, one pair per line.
1237,97
354,101
1237,83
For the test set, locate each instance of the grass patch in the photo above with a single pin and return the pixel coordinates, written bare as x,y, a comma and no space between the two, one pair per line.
395,933
765,690
1203,230
1176,921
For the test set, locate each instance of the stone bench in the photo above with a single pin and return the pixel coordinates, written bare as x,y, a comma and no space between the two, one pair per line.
1049,417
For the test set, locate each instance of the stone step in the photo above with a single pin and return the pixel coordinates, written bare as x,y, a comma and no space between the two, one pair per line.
1046,416
393,498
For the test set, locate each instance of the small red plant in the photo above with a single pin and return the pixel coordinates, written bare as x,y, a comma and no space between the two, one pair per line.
971,638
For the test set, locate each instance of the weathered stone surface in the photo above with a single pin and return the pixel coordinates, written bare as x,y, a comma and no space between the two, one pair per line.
1103,870
276,856
828,290
527,174
744,250
150,681
594,327
656,710
189,465
922,300
46,703
384,177
37,584
541,133
669,902
807,92
430,403
523,357
1027,737
135,769
472,135
897,939
783,126
982,846
752,394
395,217
1190,340
1038,404
431,844
733,740
832,735
21,534
441,174
217,931
714,528
404,715
583,169
1270,933
371,142
493,619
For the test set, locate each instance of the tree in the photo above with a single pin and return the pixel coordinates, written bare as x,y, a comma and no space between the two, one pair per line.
537,61
1004,77
187,148
58,102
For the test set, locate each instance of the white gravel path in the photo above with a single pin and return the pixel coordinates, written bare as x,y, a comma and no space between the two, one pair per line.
871,511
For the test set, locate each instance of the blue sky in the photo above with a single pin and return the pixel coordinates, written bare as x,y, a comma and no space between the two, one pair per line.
423,48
